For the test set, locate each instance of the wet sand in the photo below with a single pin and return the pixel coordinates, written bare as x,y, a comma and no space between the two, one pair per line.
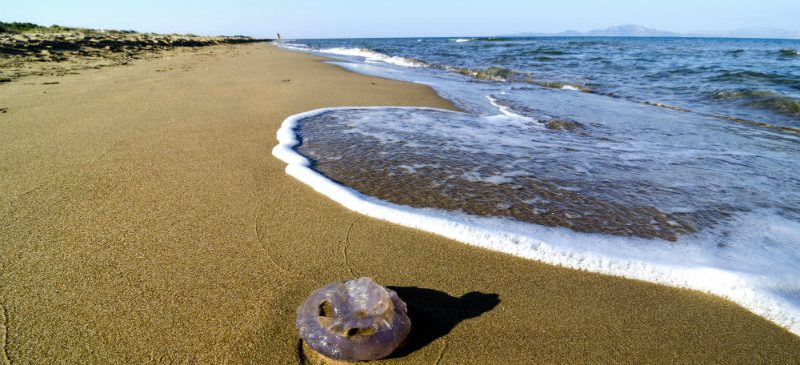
143,219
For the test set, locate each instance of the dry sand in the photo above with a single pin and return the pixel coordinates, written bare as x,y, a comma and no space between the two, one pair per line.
144,220
64,52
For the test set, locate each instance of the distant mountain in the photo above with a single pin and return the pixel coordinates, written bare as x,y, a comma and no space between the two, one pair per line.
617,31
631,30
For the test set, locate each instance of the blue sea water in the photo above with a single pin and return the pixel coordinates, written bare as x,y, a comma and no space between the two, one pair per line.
756,79
673,160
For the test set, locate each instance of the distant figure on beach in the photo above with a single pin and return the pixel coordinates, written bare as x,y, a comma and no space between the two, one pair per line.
279,36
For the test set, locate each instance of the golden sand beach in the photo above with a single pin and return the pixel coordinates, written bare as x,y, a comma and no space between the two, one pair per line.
143,220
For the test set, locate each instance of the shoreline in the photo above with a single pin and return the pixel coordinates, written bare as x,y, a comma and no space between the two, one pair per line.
149,222
557,246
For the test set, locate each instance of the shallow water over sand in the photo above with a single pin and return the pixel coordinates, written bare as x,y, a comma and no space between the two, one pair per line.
676,194
594,177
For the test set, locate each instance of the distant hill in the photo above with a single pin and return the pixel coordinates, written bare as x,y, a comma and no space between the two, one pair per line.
631,30
617,31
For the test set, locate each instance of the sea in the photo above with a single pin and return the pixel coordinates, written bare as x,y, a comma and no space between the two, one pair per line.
670,160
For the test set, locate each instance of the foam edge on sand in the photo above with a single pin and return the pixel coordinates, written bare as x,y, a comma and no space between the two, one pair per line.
559,247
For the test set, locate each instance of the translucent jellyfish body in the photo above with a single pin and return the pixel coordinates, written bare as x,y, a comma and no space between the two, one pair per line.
353,320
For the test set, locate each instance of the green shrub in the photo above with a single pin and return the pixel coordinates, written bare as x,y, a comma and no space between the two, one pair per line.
17,27
24,27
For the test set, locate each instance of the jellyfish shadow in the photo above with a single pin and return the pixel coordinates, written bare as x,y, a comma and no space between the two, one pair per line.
435,313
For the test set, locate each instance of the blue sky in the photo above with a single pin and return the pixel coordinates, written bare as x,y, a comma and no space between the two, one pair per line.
413,18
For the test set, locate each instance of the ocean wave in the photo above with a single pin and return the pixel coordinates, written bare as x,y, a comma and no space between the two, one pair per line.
789,52
562,86
779,104
461,40
666,106
676,72
502,74
570,87
744,76
584,43
499,39
546,51
373,56
740,94
493,73
503,109
762,99
292,46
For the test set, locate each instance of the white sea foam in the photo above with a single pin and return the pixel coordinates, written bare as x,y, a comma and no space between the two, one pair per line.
461,40
372,56
756,269
292,46
570,87
503,109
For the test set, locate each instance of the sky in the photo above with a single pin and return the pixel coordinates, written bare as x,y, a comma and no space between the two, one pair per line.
409,18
